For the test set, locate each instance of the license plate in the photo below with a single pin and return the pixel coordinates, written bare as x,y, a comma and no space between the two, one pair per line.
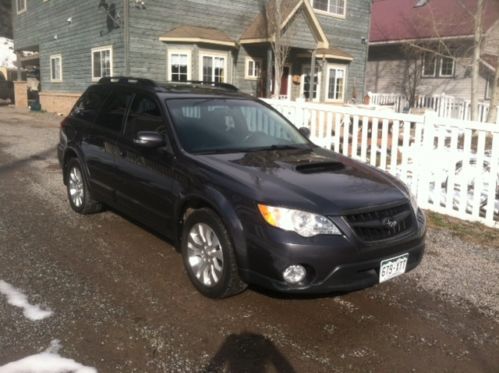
392,267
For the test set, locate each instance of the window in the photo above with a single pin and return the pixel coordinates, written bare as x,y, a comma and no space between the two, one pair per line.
447,67
145,115
213,68
253,68
102,62
179,66
429,65
305,87
333,7
336,83
21,6
56,68
89,104
114,110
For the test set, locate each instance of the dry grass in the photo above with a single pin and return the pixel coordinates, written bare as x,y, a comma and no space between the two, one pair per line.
475,233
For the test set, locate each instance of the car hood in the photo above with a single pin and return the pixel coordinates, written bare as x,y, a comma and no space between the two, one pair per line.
311,179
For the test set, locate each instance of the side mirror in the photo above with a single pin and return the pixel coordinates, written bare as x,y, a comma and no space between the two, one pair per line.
149,139
304,131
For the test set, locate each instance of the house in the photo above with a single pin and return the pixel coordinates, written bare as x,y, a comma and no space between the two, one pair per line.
425,47
78,42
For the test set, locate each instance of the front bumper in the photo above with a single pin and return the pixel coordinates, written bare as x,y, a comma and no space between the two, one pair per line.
333,263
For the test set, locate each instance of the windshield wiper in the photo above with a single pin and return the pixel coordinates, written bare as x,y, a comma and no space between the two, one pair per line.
220,151
283,147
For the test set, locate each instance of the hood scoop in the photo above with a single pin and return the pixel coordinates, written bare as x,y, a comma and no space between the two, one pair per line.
319,167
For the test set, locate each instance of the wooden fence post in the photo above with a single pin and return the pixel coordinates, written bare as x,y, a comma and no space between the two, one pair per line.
424,156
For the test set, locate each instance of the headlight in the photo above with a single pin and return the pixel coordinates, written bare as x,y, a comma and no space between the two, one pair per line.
304,223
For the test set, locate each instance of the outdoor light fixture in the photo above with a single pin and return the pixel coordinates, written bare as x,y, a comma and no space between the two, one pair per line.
70,20
140,4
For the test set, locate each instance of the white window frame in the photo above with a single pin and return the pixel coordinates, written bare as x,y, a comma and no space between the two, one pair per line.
435,60
22,10
441,60
171,52
328,12
225,56
53,58
102,49
319,82
255,74
345,71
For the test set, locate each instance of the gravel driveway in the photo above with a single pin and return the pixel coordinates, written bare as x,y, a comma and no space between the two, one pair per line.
121,302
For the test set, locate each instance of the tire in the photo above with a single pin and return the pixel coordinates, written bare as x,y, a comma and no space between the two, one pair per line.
209,257
79,196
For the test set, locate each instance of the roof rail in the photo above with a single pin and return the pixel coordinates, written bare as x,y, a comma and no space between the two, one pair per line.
128,80
226,86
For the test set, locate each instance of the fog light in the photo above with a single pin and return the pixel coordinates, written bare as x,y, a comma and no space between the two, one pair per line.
294,274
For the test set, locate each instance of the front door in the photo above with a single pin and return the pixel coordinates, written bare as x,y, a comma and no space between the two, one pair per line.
285,80
145,189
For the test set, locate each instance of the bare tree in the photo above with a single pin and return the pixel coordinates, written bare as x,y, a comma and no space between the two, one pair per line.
441,46
494,92
477,52
279,40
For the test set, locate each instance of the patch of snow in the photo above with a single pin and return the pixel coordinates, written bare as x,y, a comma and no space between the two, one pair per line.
16,298
7,55
48,361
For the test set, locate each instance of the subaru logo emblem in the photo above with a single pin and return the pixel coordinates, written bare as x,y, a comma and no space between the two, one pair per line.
389,223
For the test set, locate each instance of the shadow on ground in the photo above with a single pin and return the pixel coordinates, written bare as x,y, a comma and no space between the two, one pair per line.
248,353
4,168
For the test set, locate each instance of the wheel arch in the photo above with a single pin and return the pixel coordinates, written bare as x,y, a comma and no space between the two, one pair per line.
69,154
216,201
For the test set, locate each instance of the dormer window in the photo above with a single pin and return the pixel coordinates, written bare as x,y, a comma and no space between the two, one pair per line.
332,7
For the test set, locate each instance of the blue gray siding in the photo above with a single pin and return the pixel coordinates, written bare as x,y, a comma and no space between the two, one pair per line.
148,55
44,26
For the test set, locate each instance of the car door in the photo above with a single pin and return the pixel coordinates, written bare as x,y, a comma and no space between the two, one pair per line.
100,143
145,188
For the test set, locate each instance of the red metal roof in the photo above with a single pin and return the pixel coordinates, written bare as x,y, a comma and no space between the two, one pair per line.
394,20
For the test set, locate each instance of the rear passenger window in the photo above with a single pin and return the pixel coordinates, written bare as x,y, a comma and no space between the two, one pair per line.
114,111
88,105
145,115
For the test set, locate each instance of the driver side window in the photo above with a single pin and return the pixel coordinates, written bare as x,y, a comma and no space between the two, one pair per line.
145,115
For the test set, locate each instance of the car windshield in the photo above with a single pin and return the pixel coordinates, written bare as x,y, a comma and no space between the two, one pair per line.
231,125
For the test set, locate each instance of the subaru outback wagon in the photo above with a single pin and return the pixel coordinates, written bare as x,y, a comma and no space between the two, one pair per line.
243,193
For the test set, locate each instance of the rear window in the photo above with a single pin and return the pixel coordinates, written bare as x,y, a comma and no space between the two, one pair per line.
89,104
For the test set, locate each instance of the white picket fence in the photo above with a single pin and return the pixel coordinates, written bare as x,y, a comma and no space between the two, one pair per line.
451,166
444,105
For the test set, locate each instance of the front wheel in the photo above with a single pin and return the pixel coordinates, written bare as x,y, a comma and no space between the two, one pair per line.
209,256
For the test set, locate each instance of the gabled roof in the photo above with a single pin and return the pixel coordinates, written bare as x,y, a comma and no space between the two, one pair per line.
489,61
196,34
399,20
259,32
335,53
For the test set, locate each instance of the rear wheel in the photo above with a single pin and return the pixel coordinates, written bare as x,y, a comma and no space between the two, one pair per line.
209,256
79,196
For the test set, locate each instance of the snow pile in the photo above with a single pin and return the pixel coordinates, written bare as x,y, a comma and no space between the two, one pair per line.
16,298
7,55
48,361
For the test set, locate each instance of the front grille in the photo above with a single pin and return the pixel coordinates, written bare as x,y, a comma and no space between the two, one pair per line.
381,224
